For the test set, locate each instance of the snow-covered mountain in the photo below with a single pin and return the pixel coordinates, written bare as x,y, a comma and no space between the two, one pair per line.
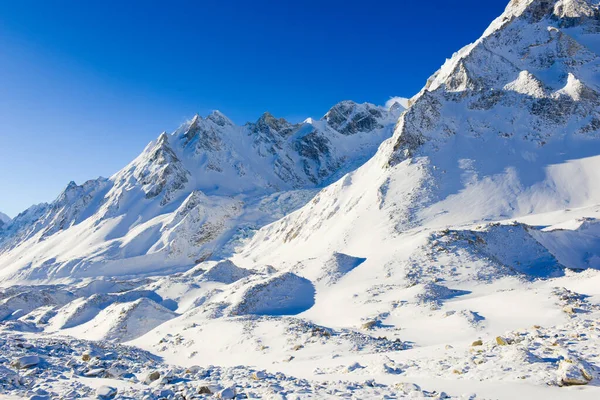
190,195
4,219
463,256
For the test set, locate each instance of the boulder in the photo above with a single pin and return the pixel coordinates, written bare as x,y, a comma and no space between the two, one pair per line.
151,377
25,362
500,341
106,392
204,390
259,375
573,373
370,324
228,393
477,343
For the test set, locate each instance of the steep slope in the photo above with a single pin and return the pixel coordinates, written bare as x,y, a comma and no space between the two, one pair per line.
191,195
508,127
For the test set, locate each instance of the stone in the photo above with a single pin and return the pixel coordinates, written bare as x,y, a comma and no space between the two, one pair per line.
228,393
94,372
25,362
151,377
86,357
569,310
259,375
477,343
500,341
407,387
106,392
204,390
573,373
369,325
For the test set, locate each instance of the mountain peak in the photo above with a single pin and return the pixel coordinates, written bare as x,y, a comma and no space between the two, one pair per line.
267,123
349,117
219,118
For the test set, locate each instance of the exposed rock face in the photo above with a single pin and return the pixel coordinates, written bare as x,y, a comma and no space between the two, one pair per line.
528,60
349,118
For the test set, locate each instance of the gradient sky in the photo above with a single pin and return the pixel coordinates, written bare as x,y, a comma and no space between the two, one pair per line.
85,85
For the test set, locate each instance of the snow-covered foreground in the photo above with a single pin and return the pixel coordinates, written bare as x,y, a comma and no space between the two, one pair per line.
462,260
492,311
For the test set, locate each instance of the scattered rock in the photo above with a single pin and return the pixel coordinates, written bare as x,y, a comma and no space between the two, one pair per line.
86,357
477,343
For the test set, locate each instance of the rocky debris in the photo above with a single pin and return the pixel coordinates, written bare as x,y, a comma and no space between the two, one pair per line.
477,343
572,302
573,373
129,366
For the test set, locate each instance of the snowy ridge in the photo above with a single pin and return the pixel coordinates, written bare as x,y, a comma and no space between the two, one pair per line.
463,257
190,195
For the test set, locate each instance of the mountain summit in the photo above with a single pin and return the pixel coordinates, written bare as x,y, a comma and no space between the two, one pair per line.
191,194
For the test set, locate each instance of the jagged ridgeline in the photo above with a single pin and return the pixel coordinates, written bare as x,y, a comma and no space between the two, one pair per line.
192,194
454,243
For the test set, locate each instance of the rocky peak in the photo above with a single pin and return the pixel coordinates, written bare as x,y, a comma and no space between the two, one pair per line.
527,62
159,169
219,118
569,12
349,118
268,124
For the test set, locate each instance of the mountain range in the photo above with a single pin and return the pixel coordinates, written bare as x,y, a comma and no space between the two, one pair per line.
446,246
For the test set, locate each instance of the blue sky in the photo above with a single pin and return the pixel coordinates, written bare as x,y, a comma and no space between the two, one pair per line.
85,85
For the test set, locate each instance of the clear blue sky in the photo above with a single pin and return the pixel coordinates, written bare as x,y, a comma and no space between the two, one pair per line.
85,85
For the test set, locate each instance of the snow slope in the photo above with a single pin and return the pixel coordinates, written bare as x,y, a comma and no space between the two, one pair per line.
463,257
